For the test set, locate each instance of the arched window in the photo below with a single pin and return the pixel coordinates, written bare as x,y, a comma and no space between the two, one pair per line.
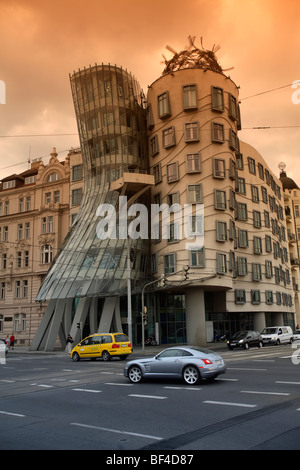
53,177
46,254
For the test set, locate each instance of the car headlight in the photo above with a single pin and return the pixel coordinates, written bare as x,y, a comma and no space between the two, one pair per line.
241,340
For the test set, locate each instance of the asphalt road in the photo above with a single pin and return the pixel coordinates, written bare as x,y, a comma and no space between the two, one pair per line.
48,402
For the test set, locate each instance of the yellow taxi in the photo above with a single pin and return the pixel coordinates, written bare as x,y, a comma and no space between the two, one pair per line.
104,345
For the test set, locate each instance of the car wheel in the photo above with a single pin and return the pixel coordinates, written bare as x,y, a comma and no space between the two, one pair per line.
75,357
191,375
135,374
105,356
246,345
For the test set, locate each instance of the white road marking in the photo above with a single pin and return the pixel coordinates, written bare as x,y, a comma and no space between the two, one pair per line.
147,436
121,385
86,390
263,393
12,414
229,403
183,388
148,396
246,368
288,383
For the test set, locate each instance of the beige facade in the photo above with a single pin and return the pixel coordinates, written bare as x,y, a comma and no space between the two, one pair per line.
36,207
241,277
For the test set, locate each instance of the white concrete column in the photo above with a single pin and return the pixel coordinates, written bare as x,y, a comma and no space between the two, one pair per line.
195,316
259,321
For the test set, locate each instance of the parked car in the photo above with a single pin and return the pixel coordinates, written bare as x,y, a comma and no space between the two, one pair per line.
277,335
296,335
104,345
4,346
189,363
245,339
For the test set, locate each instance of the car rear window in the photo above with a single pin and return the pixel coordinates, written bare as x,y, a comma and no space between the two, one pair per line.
121,338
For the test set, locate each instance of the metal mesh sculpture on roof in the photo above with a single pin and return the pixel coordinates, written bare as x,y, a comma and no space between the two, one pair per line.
192,57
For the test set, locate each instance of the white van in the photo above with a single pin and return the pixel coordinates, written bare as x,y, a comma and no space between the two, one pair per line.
277,335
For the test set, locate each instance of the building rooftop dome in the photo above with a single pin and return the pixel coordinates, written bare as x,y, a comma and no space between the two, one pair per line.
287,183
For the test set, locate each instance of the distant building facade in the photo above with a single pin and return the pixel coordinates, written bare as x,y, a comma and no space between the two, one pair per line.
36,209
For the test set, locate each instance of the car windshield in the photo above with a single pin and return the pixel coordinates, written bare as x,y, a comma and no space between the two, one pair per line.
239,335
269,331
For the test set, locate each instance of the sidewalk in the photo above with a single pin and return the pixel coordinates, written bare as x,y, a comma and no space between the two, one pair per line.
148,350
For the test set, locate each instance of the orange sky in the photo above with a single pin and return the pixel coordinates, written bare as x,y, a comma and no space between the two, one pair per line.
42,41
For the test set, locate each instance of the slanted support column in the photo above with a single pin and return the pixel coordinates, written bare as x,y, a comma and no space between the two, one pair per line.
41,334
55,325
80,316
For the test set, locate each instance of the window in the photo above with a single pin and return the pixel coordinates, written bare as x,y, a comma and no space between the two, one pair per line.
157,173
269,269
9,184
6,208
169,137
76,196
221,263
172,198
154,263
264,195
256,272
191,131
56,196
278,298
17,293
194,193
255,297
240,296
242,266
197,257
47,198
172,172
233,140
221,231
190,96
239,161
232,107
257,245
217,132
27,229
50,224
220,199
76,172
193,163
172,230
164,109
28,203
196,225
2,293
261,171
251,164
169,263
154,148
256,219
19,259
53,177
267,218
241,186
217,101
46,254
218,168
242,213
255,193
4,261
20,231
21,204
269,297
268,241
5,233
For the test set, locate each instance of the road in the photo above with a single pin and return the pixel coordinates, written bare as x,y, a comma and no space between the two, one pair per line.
49,402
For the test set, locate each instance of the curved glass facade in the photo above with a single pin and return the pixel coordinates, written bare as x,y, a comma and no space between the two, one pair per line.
111,122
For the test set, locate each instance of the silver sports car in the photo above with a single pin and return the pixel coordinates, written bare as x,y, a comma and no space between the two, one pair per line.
190,363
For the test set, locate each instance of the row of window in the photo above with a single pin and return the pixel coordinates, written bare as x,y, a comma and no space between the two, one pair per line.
192,134
197,259
263,173
274,207
22,257
21,289
190,102
255,297
19,321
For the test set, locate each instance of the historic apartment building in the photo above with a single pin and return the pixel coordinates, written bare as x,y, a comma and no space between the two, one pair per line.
37,207
233,265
